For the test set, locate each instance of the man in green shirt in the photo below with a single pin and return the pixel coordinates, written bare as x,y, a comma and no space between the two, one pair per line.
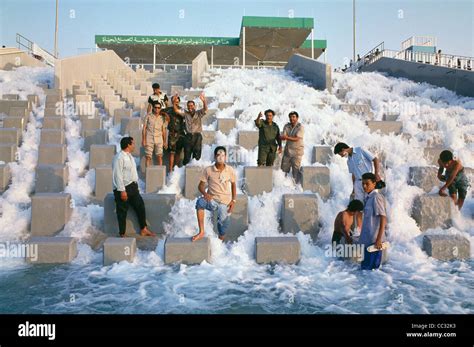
268,139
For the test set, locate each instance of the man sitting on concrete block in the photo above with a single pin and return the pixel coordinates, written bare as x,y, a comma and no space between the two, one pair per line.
373,224
268,139
456,180
220,196
293,133
359,161
125,183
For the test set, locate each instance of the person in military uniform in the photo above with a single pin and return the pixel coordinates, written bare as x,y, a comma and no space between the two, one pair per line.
268,139
176,133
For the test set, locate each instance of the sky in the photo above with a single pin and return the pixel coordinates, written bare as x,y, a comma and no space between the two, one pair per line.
376,21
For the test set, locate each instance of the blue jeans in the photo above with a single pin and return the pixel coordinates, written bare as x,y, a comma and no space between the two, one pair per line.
371,260
223,217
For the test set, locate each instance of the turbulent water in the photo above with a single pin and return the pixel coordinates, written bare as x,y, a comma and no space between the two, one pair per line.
410,282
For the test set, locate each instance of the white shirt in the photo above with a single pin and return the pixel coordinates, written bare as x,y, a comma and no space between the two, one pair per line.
124,171
360,162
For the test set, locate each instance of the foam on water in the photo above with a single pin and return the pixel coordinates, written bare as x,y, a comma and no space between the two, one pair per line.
410,282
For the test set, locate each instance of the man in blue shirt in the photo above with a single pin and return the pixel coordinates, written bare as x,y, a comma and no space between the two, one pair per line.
373,225
359,161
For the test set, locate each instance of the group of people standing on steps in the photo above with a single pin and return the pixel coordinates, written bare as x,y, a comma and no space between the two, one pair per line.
363,221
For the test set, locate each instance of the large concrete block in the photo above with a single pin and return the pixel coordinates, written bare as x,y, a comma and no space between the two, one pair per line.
22,112
208,137
33,99
53,99
432,211
210,117
14,122
316,179
239,220
386,127
155,178
5,176
101,155
424,177
225,125
192,177
236,155
391,117
52,112
115,105
95,137
90,123
128,125
103,182
53,250
258,180
223,105
322,154
248,139
431,154
362,110
300,213
52,154
49,213
447,247
53,123
157,206
270,250
237,113
117,249
183,250
8,152
10,135
120,113
51,178
10,97
52,137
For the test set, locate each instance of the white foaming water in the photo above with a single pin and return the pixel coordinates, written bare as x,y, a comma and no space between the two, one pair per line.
410,282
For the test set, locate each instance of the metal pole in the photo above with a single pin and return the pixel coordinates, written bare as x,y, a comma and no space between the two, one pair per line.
354,30
312,43
212,57
154,57
56,33
243,38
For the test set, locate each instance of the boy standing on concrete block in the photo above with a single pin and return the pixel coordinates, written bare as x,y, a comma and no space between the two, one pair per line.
220,195
268,139
125,182
359,161
157,97
373,225
193,122
344,221
456,180
154,137
176,133
293,133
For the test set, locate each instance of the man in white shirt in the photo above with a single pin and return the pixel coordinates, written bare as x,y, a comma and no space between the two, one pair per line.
125,183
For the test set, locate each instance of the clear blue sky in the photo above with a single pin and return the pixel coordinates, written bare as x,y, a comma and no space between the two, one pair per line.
377,20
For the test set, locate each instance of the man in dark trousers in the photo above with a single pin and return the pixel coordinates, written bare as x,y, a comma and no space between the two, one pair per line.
268,139
125,182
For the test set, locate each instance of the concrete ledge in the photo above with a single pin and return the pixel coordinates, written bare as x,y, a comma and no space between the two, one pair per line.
447,247
51,178
322,154
270,250
183,250
90,123
53,123
432,211
192,177
155,178
258,180
5,176
95,137
248,139
103,182
360,109
101,155
208,137
300,213
120,113
14,122
316,73
223,105
424,177
431,154
225,125
10,135
52,137
49,213
8,152
317,180
128,125
52,154
53,250
386,127
117,249
158,208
